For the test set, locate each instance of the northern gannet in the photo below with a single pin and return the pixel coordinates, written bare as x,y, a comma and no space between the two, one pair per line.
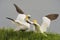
21,20
45,23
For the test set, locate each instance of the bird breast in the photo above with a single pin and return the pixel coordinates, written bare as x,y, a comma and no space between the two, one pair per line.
21,17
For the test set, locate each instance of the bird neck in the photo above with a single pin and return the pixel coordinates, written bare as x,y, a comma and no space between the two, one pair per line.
26,17
37,27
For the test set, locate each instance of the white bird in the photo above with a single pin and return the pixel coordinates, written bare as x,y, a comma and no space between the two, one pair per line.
45,23
21,20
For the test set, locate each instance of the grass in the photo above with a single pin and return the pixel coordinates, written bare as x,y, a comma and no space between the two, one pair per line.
9,34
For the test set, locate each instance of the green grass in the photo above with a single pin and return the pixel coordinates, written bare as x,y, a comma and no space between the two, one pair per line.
18,35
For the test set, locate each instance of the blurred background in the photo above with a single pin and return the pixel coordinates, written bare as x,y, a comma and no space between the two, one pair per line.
36,8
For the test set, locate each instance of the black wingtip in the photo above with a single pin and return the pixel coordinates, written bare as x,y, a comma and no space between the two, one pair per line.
10,18
52,16
7,17
18,9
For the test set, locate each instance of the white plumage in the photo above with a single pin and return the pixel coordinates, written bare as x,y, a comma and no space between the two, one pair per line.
45,24
46,21
21,20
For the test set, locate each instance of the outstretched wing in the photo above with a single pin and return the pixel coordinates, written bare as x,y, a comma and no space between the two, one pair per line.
47,21
18,9
10,19
13,21
52,16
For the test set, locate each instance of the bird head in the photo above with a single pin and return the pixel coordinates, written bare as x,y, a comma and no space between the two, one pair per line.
34,21
28,17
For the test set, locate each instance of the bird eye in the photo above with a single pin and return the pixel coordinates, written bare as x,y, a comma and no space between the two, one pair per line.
29,17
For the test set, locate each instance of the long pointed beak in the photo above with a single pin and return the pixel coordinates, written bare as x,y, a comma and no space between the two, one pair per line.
28,21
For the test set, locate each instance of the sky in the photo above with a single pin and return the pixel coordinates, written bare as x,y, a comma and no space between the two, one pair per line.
36,8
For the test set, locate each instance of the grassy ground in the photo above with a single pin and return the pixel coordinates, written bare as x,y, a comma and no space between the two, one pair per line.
18,35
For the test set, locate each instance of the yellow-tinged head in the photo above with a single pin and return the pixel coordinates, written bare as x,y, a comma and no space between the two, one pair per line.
28,17
34,21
